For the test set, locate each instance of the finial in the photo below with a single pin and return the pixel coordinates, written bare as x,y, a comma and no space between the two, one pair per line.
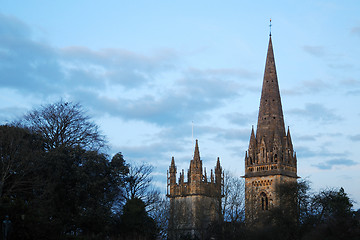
270,27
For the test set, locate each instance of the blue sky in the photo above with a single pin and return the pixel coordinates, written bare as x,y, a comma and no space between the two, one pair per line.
146,70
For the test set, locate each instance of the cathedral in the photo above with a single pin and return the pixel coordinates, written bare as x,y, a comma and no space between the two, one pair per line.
195,203
270,160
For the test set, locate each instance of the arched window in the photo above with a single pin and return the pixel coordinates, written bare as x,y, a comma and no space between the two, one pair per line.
264,201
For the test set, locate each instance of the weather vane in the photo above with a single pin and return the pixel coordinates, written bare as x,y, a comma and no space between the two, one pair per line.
270,27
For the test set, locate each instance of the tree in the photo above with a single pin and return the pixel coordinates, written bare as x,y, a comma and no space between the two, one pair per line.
137,184
332,203
134,186
233,203
64,124
135,222
119,170
138,181
281,221
95,193
332,216
232,209
160,213
304,215
19,155
54,181
77,196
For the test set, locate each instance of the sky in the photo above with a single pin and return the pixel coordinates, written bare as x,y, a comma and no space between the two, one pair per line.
156,75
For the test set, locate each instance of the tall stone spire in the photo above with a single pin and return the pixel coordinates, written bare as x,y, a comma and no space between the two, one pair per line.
270,119
271,145
270,160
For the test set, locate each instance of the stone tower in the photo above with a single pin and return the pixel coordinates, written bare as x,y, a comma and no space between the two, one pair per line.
194,203
270,159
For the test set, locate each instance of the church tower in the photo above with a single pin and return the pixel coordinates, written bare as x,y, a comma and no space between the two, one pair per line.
194,203
270,160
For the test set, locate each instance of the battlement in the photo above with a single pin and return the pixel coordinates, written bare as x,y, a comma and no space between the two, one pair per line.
206,187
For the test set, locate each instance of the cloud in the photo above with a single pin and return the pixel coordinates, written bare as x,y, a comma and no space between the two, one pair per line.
116,82
235,74
327,165
8,114
240,118
116,66
12,28
222,134
234,134
336,158
333,60
309,87
317,51
28,67
316,112
352,84
163,110
36,68
356,31
353,92
355,137
188,98
306,138
323,152
341,66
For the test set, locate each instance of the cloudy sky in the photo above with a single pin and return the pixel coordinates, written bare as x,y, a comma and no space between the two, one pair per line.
149,72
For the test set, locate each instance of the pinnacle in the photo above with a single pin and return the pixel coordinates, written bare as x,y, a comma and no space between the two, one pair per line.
218,166
172,163
196,164
252,138
196,152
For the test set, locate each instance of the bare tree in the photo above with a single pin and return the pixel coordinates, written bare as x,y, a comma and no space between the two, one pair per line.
64,124
138,181
233,204
137,184
160,213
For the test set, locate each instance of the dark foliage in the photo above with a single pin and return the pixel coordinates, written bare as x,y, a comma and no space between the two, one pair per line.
20,152
54,182
300,216
135,222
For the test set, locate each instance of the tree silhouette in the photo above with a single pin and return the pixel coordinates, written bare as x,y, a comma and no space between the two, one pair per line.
64,124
